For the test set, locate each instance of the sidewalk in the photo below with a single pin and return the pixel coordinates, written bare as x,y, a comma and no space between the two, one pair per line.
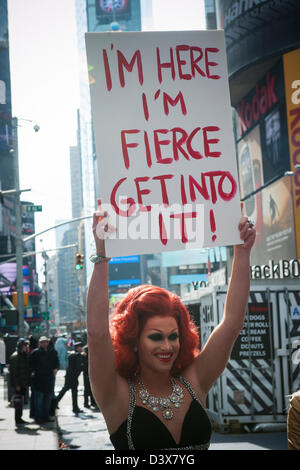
85,431
29,436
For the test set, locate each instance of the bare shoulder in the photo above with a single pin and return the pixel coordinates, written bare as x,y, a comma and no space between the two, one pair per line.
115,410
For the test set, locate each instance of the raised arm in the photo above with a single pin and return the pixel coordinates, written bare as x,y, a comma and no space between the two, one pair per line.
215,354
103,377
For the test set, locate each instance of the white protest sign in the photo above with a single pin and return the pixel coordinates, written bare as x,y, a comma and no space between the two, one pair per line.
164,141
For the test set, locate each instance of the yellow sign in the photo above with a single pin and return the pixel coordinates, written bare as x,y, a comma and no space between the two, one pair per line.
291,63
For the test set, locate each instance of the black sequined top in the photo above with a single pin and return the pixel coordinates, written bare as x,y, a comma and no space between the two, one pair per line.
143,430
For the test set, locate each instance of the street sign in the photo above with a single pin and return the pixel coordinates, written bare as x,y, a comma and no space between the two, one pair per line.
32,208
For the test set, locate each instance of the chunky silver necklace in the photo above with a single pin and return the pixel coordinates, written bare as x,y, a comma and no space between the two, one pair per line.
163,404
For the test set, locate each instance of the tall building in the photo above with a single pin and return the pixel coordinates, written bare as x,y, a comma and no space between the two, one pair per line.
210,14
53,293
55,265
8,202
76,182
7,178
70,285
92,16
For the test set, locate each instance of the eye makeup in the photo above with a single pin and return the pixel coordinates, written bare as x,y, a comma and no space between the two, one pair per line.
159,337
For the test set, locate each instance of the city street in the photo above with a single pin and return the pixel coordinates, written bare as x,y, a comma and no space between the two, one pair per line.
87,431
150,201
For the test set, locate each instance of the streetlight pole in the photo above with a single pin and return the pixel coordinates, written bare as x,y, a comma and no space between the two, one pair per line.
18,238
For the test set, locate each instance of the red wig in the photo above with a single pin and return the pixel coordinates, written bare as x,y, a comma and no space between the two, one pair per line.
130,317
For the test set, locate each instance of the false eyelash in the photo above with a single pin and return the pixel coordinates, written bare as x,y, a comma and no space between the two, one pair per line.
173,336
159,337
156,337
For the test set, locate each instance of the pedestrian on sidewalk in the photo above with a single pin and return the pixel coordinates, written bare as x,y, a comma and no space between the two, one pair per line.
55,359
75,367
62,350
2,355
33,343
89,400
44,365
19,373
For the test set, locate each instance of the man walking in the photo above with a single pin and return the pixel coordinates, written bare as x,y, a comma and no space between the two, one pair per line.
88,394
44,365
2,355
19,374
75,367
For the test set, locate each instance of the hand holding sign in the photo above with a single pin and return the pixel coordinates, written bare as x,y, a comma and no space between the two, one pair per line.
103,229
166,156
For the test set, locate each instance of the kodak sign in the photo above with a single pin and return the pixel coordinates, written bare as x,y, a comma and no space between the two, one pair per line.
291,63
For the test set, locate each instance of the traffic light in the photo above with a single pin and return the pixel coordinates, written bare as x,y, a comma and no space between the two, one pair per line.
78,261
15,299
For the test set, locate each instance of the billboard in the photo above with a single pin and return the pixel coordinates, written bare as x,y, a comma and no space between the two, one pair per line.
7,247
291,63
124,272
272,210
9,272
28,228
263,159
107,15
108,11
256,30
264,108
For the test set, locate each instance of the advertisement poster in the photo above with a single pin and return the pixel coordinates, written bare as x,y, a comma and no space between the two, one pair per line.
108,11
164,140
251,171
263,160
271,208
291,63
264,106
254,339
